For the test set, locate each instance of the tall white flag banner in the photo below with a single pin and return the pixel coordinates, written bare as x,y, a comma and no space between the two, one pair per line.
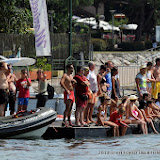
40,23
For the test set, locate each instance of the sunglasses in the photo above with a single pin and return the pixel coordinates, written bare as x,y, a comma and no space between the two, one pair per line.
24,72
132,100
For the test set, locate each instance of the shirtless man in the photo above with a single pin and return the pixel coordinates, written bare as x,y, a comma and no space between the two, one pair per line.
156,75
67,82
11,78
3,87
134,115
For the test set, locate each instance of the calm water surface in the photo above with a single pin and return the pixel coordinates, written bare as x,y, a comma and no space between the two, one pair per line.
131,147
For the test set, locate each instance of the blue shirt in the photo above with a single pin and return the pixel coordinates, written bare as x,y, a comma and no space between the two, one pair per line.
109,81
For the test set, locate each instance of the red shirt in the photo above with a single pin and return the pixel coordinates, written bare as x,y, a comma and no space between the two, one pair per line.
80,89
21,85
115,117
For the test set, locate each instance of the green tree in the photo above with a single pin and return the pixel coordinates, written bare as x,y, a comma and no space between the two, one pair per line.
61,12
15,16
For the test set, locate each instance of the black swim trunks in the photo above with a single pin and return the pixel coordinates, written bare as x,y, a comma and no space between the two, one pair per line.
12,99
3,96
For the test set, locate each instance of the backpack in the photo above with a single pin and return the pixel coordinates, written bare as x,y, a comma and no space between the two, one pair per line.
50,91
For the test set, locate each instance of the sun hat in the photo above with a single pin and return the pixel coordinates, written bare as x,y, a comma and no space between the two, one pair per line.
133,97
143,67
86,68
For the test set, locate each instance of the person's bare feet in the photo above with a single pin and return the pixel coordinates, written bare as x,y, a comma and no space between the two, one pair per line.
70,123
156,132
88,122
92,121
64,124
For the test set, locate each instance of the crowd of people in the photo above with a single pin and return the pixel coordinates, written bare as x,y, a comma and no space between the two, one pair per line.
9,85
85,88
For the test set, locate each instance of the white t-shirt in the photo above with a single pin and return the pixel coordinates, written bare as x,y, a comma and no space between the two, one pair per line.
93,81
117,76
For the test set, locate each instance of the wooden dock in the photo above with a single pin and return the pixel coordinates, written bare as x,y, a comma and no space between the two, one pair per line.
56,131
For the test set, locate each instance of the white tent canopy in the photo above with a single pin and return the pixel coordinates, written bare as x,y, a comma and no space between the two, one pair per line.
106,26
92,22
130,26
89,21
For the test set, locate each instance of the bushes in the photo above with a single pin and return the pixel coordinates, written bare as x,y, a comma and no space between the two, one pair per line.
99,44
42,64
106,45
132,46
135,46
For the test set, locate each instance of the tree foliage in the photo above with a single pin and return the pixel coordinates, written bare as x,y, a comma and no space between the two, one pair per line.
145,13
15,16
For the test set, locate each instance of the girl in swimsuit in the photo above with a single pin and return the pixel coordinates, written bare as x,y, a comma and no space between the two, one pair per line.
102,115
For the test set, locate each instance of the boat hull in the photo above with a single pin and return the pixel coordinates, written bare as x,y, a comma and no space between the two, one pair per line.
32,126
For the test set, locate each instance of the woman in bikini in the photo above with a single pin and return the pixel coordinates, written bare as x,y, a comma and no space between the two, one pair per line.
102,84
102,114
134,115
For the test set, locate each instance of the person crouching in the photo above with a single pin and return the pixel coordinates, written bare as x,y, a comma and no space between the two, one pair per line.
116,117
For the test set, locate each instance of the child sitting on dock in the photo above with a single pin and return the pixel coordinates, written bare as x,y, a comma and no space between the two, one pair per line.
116,117
147,113
134,115
154,110
102,114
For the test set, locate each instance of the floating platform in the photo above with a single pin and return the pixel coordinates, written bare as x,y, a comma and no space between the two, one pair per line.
56,131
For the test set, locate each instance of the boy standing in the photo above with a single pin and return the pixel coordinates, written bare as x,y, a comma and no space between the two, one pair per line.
23,86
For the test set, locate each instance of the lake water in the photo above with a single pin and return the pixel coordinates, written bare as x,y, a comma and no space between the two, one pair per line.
130,147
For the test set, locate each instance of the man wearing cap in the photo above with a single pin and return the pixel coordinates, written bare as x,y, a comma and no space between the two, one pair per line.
94,88
141,81
156,74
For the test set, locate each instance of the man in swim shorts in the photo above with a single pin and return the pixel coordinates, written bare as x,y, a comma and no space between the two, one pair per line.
156,75
3,87
67,82
11,78
23,86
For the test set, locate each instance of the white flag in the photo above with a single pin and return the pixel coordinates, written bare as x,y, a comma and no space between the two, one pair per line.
40,23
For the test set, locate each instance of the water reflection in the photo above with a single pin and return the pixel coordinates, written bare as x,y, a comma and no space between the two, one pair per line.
108,148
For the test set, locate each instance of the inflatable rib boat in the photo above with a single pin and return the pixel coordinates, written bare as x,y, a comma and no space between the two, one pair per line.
30,125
